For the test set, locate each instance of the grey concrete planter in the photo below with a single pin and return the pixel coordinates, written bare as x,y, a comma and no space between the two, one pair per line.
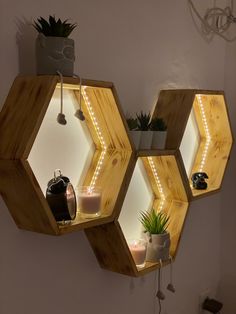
158,247
54,54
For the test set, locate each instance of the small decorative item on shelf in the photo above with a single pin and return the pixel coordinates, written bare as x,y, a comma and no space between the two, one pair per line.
143,120
89,201
155,224
159,129
138,249
198,179
61,197
133,130
54,50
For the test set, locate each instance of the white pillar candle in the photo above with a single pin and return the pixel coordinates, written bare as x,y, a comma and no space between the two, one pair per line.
138,249
89,201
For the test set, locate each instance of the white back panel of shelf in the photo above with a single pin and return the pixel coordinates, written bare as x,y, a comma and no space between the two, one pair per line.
66,147
139,198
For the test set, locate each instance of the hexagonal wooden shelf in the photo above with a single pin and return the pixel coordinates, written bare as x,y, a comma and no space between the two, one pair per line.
198,124
163,170
22,120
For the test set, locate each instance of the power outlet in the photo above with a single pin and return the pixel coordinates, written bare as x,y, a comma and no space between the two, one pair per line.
202,297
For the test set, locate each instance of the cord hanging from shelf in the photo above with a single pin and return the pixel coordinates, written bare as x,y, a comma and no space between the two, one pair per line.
61,119
216,21
79,113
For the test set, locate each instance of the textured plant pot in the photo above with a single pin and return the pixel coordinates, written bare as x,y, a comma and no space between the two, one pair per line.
159,139
54,54
146,140
135,135
158,247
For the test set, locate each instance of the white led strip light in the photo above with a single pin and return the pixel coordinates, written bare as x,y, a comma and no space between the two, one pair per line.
207,133
158,182
99,135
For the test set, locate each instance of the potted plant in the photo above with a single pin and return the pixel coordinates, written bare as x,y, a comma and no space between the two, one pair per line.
143,120
54,50
156,224
133,130
159,128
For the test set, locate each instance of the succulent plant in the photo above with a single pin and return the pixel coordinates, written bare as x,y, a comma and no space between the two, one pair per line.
158,124
53,27
132,123
143,120
153,222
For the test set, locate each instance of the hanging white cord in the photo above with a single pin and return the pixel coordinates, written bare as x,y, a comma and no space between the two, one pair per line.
61,117
221,20
79,113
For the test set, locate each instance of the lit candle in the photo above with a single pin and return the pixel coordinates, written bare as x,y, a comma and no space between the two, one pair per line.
89,201
138,249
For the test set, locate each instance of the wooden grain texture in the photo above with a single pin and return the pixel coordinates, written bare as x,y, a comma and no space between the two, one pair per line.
169,176
215,164
174,106
216,153
214,107
108,117
111,249
24,198
22,114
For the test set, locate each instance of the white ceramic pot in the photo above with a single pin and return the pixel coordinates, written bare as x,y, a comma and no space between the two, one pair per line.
146,140
158,247
159,139
135,135
54,54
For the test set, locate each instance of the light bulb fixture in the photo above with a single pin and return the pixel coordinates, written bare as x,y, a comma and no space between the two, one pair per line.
158,182
207,133
215,21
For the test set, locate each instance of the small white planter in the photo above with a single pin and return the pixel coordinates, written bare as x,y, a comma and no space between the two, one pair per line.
136,135
146,140
158,247
159,139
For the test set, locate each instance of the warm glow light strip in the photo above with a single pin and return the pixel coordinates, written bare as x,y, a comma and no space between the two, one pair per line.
207,132
99,135
158,182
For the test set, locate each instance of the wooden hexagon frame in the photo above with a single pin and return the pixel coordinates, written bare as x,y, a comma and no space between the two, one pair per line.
210,111
164,172
20,120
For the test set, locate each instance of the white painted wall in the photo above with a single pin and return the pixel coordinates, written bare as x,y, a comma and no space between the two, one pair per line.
142,46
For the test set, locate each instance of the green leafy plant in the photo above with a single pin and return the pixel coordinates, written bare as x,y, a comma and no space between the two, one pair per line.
143,120
132,123
158,124
54,27
154,223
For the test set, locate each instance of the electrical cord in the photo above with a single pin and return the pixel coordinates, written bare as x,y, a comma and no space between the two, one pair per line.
216,20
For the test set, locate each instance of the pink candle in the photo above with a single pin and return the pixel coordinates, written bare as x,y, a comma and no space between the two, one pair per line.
89,202
138,249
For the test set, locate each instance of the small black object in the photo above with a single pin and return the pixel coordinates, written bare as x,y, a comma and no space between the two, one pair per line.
61,119
79,114
61,197
211,305
198,179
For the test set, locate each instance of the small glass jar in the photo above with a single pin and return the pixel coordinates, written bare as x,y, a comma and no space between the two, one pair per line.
89,201
138,249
